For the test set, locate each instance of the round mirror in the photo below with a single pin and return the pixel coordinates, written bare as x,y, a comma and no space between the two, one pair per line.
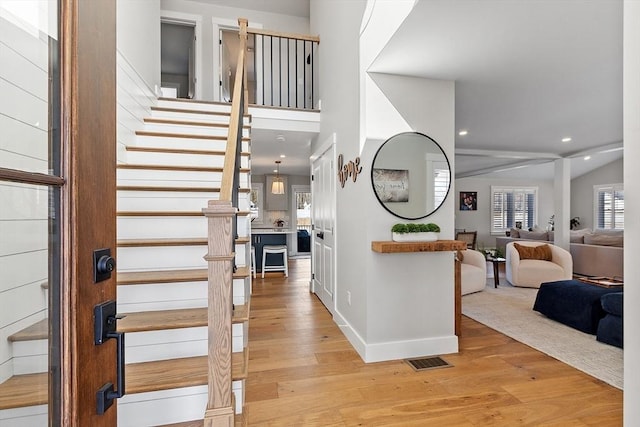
411,175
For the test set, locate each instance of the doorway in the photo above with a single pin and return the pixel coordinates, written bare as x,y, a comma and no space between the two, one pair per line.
323,219
301,217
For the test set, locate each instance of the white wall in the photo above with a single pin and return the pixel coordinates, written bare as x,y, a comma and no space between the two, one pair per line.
228,16
631,122
138,30
582,190
480,220
401,304
137,67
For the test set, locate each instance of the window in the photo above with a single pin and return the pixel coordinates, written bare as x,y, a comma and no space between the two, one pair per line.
608,206
441,179
513,204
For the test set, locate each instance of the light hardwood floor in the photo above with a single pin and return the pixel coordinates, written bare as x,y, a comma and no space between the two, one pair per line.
303,372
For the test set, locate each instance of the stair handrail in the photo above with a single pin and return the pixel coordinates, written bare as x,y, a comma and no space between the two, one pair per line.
238,109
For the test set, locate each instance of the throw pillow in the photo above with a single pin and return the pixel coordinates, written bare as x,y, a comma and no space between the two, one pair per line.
577,236
540,252
534,235
515,232
603,240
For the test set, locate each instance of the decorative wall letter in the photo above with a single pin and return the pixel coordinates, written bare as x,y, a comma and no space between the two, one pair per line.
352,169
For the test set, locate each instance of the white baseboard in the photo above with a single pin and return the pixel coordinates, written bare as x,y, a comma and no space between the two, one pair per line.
395,350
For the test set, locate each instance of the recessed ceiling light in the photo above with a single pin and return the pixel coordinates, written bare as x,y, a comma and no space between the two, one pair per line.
282,156
587,157
463,132
566,139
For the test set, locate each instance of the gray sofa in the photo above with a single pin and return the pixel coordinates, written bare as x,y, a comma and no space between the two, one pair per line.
589,259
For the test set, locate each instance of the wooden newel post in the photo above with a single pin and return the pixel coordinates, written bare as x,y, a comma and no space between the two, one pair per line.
220,216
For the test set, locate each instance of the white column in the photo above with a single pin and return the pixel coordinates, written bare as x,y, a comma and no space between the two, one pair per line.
631,120
562,202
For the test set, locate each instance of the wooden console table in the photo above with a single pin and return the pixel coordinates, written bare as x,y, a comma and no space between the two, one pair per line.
391,247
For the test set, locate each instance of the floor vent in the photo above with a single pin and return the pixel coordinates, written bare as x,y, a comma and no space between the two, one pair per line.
424,363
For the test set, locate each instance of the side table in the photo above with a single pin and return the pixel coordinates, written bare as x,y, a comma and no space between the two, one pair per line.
496,269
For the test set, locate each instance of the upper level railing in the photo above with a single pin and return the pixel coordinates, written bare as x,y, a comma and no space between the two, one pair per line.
282,69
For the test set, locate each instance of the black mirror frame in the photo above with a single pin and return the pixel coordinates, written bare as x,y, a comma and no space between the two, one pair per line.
373,167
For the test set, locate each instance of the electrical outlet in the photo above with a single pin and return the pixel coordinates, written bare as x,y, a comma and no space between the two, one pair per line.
348,297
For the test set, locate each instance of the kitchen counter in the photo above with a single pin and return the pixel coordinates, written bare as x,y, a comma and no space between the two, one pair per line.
269,236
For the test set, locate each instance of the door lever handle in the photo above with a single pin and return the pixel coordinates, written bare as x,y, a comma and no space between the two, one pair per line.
105,319
320,235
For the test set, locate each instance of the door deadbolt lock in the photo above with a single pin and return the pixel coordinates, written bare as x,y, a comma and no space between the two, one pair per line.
103,265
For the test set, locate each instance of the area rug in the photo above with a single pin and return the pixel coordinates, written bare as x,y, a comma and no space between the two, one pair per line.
507,309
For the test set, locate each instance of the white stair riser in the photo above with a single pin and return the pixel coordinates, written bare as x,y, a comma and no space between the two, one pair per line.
166,175
175,343
242,256
179,203
187,105
190,129
180,159
161,257
241,291
162,181
162,296
142,347
161,227
208,118
172,142
162,407
170,406
30,357
29,416
154,201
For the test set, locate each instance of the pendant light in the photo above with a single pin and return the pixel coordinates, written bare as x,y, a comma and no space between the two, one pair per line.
277,187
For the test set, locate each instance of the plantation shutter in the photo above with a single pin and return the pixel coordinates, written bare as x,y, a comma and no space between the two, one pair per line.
511,205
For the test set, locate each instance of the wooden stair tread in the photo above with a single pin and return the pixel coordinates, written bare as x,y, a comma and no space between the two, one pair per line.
170,276
161,188
161,276
176,168
241,272
24,390
241,240
131,243
239,421
143,321
174,319
190,111
176,189
177,373
37,331
160,120
160,213
32,389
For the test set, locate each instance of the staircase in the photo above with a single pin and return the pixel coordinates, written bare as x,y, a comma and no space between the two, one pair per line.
172,171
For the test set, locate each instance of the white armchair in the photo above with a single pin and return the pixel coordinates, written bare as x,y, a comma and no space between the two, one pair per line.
473,269
530,273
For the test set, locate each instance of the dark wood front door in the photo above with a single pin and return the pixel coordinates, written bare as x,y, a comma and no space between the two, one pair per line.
57,184
89,104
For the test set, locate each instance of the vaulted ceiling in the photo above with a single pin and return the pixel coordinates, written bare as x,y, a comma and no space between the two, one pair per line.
528,74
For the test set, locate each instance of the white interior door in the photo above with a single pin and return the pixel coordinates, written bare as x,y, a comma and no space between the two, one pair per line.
323,218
